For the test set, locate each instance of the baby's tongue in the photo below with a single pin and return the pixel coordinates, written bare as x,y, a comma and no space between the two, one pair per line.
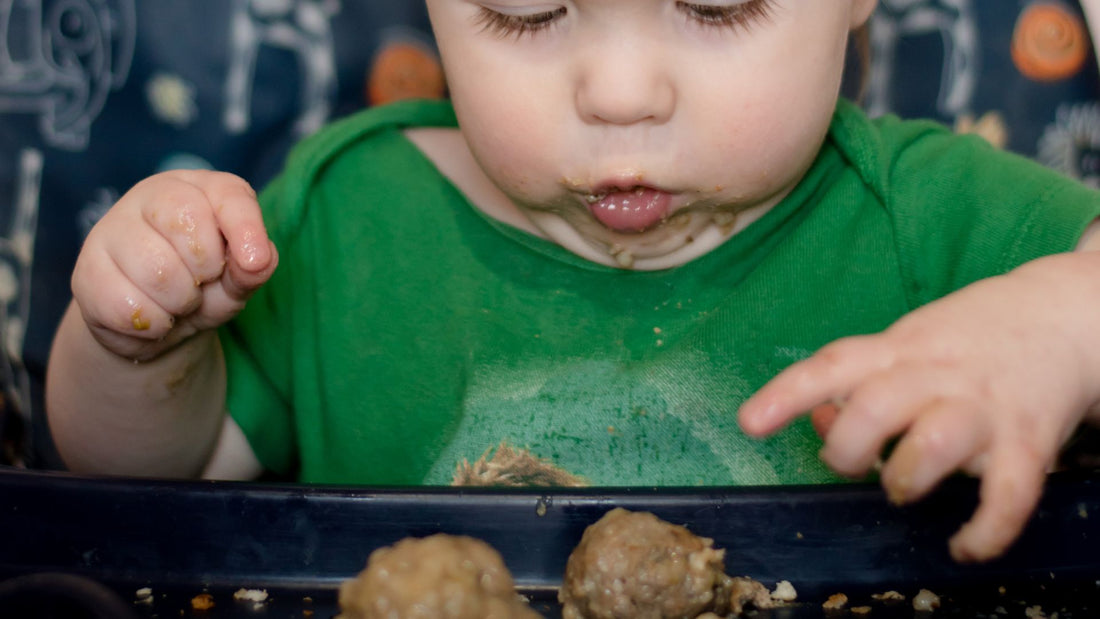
631,211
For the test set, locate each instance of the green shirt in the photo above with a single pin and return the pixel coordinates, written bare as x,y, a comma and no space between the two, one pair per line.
404,332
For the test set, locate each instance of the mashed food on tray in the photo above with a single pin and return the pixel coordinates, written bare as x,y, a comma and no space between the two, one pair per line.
628,564
436,577
633,564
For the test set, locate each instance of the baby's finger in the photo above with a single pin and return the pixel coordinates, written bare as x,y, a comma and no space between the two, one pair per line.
181,212
823,416
148,265
1010,491
944,436
827,376
241,222
120,314
879,408
224,298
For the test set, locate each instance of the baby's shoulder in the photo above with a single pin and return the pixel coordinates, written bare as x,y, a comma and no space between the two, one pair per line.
362,130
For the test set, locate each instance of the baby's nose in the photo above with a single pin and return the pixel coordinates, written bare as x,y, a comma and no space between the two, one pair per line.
623,82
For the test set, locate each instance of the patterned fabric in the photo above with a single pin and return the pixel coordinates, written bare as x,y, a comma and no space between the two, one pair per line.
97,94
1022,74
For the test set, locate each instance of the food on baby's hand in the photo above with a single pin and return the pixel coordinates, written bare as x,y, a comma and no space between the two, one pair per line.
440,576
633,564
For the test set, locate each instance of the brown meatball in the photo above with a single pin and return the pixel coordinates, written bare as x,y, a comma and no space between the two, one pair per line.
441,577
633,564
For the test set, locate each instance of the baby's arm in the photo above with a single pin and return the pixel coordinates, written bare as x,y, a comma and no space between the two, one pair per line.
990,380
136,379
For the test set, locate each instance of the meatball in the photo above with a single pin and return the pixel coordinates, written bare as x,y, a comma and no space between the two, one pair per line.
633,564
441,576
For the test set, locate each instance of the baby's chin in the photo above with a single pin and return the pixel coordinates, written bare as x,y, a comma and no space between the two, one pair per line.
675,240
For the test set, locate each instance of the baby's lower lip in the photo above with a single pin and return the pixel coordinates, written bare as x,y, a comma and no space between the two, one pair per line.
633,210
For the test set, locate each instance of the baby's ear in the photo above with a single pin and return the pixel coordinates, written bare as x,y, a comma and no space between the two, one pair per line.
861,11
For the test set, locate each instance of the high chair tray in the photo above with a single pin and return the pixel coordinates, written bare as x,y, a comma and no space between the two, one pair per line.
183,539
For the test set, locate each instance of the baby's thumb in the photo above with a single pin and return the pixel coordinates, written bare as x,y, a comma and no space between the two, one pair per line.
247,268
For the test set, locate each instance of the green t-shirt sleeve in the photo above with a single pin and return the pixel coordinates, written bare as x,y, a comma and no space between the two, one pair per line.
963,210
274,339
258,361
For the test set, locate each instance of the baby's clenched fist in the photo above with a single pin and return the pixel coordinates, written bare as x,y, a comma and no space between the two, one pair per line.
178,254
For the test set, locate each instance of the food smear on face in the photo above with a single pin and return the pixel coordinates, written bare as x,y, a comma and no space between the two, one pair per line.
632,210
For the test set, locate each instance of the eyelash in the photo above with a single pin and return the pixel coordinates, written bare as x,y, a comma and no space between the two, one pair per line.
517,25
740,15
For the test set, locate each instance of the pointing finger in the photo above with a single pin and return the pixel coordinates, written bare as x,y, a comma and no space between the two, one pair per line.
827,376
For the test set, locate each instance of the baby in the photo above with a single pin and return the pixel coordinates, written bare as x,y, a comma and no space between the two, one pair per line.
633,219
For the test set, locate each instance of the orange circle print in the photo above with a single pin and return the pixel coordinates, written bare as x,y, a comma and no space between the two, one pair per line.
405,70
1050,42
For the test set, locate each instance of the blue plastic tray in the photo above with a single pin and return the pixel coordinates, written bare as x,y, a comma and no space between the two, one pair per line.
185,538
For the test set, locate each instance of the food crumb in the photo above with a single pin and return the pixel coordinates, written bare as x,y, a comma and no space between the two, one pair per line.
861,610
784,592
889,596
202,601
143,595
307,613
1035,612
836,601
251,595
925,600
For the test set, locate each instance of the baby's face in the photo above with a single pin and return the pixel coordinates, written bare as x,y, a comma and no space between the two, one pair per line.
632,132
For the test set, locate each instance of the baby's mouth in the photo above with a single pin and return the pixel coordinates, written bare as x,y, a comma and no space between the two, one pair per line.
631,210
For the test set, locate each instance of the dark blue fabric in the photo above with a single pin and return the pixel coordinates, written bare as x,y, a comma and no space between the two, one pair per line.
98,94
947,59
77,126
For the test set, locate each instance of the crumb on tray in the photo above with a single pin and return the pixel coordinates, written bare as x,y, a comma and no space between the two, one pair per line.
836,601
784,592
202,601
889,596
925,600
251,595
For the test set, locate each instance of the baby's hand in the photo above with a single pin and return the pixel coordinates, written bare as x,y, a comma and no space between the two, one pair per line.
991,380
180,253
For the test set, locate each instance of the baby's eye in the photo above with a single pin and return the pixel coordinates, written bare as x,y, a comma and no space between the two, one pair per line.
505,24
738,14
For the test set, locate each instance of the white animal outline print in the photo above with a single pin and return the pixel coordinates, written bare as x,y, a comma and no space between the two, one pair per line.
16,263
70,56
301,26
956,23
